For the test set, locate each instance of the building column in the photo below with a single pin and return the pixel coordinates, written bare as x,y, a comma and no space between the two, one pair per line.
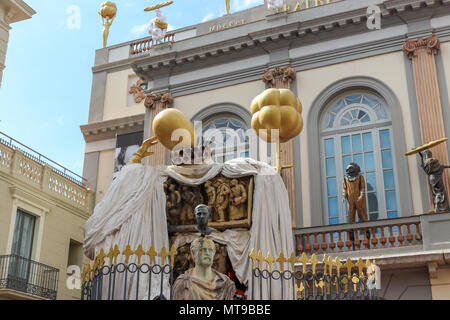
155,103
281,78
422,53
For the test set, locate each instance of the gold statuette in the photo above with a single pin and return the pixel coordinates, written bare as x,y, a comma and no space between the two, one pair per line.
108,12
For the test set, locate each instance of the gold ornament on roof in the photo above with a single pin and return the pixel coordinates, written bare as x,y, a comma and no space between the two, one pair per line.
426,146
108,12
280,110
158,6
227,6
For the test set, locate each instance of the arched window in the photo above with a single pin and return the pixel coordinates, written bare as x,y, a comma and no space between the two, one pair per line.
356,127
226,136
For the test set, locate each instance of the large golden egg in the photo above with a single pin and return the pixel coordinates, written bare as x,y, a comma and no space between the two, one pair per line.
277,109
173,129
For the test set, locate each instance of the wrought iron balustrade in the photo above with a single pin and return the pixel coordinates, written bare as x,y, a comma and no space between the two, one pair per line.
377,234
27,276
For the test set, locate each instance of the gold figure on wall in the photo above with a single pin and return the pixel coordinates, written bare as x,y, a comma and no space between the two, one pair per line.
211,193
238,199
173,204
187,214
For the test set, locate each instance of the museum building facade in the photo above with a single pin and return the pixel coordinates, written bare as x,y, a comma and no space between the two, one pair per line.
369,95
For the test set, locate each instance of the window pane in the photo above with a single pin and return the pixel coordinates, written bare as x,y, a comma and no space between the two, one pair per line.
392,215
346,161
386,156
371,181
389,179
331,167
385,140
332,186
333,210
334,221
367,138
370,163
346,149
358,158
373,216
353,99
329,147
391,201
373,201
356,143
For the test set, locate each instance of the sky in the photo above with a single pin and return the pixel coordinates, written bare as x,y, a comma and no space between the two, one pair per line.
46,87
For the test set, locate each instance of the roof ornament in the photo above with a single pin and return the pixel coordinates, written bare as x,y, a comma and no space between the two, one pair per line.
274,4
158,26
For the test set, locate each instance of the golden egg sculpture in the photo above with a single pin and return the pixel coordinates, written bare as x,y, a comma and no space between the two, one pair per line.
108,10
277,109
167,125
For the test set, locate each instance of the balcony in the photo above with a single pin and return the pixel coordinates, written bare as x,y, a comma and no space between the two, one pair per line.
415,240
28,166
24,279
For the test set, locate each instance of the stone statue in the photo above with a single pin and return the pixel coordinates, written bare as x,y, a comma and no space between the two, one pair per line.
202,282
223,198
238,200
353,189
202,218
158,27
434,170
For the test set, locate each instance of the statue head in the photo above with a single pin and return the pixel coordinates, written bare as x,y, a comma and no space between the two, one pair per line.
158,13
203,251
234,182
202,214
353,170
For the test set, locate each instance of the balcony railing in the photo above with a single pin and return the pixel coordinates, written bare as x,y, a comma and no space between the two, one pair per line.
379,234
146,45
27,276
34,169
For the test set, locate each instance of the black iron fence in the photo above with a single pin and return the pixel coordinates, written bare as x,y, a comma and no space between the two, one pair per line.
129,282
27,276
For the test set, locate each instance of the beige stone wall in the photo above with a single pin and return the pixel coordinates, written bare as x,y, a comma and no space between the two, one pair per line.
4,36
241,94
105,173
440,286
387,68
56,224
116,96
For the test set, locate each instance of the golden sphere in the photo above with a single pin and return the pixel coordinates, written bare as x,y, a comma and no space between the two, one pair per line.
277,109
173,129
108,10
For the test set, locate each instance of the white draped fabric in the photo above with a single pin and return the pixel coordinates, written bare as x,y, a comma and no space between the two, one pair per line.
133,212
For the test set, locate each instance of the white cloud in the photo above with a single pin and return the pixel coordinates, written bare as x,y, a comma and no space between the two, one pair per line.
238,5
138,31
209,16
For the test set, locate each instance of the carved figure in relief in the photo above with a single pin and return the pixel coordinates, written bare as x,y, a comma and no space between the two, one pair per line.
187,214
238,200
211,193
223,198
173,204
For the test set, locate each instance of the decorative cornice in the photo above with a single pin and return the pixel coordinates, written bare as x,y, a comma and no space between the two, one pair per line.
431,44
109,129
273,77
164,98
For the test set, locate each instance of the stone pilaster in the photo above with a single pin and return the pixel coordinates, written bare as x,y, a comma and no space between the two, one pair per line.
155,103
422,53
281,78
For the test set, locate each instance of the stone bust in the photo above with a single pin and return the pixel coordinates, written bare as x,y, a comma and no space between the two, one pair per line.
202,282
202,216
